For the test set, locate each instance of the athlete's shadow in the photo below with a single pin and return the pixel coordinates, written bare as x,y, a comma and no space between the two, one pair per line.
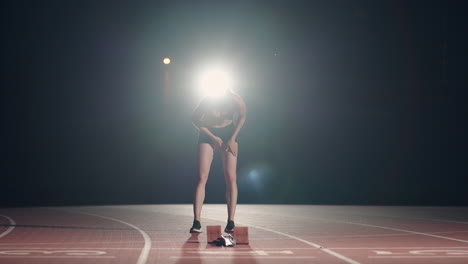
190,253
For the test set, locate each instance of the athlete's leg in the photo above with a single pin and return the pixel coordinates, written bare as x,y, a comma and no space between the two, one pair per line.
205,157
230,174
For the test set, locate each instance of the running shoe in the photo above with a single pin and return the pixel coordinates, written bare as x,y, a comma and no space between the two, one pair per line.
196,227
229,227
227,241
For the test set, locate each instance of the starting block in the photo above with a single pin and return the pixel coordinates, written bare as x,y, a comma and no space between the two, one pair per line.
241,234
213,233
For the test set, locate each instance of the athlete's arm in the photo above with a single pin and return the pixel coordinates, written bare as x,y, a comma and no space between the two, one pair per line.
197,116
242,114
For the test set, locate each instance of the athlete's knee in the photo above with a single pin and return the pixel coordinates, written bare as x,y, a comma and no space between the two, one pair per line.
202,179
231,179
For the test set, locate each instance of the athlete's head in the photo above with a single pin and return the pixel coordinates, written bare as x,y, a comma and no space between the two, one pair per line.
216,83
222,100
217,91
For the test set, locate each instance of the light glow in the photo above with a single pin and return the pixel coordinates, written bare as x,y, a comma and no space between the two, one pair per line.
215,82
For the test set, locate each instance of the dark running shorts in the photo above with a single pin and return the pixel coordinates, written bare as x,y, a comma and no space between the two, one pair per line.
223,132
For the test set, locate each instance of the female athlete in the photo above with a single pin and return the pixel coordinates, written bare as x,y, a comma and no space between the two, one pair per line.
214,118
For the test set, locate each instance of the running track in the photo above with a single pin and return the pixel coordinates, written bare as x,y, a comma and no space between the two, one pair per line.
144,234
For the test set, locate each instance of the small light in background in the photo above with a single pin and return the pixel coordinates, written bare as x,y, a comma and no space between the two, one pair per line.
166,61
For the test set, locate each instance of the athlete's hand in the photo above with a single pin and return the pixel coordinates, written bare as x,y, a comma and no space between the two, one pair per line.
218,142
231,146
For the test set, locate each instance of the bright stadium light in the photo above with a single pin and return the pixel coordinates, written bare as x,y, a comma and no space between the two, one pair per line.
215,82
166,61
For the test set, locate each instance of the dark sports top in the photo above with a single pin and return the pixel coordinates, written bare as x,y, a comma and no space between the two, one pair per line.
218,110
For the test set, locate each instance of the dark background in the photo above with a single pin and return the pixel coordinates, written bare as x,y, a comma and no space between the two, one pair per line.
349,102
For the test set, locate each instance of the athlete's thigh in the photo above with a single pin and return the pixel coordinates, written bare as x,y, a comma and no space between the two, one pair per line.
205,157
230,162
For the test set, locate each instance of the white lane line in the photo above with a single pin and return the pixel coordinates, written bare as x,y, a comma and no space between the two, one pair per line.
74,243
62,248
418,257
317,246
12,223
389,235
329,251
418,218
441,220
385,235
129,248
244,257
367,248
398,229
238,249
146,248
80,257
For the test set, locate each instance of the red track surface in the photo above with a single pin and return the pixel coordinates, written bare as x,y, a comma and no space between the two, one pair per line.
278,234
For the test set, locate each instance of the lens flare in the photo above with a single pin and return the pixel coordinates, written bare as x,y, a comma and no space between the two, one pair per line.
215,83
